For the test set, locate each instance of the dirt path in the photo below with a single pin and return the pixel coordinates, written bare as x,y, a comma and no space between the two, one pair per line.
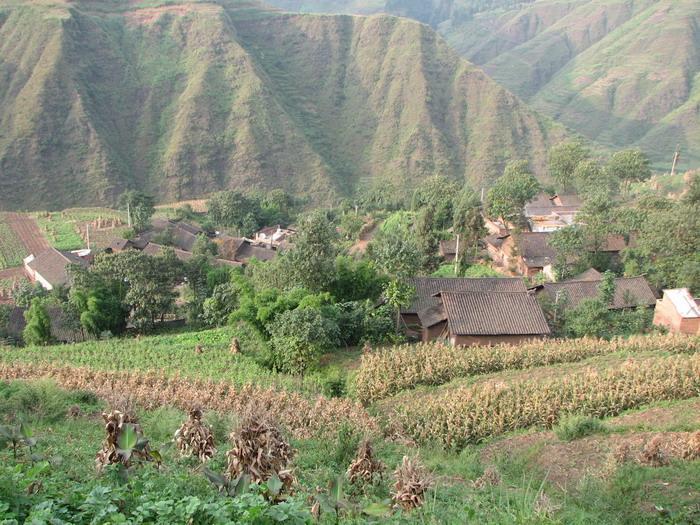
28,232
361,245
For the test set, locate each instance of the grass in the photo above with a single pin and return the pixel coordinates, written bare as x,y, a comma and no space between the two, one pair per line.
174,355
11,249
576,426
61,233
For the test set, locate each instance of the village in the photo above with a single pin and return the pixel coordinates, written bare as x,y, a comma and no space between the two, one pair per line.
507,307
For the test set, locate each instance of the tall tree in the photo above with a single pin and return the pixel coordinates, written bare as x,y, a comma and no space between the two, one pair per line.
467,221
629,166
141,208
563,161
38,328
512,191
311,261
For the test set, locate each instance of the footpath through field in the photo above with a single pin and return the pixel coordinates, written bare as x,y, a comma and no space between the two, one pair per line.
27,230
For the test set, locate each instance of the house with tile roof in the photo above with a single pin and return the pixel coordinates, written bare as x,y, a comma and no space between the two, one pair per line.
50,267
426,289
630,292
482,318
548,214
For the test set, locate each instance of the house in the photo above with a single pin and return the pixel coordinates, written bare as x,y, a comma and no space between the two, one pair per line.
274,235
448,250
154,250
50,267
481,318
630,292
589,275
427,287
183,235
678,311
548,214
242,250
526,253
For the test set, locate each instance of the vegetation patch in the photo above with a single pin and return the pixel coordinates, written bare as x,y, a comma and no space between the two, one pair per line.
12,250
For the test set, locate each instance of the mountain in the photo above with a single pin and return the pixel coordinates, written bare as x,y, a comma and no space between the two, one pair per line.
185,98
623,73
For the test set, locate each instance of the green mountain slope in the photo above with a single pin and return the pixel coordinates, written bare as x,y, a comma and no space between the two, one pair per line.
187,98
620,72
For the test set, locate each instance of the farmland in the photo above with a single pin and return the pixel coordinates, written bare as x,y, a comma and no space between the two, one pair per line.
488,431
67,230
11,249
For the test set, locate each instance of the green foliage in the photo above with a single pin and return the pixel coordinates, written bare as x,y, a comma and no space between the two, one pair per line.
299,337
564,159
630,166
26,292
467,221
38,328
395,253
512,191
236,210
355,280
141,207
575,426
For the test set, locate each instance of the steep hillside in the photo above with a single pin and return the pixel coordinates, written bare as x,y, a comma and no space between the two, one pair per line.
621,72
187,98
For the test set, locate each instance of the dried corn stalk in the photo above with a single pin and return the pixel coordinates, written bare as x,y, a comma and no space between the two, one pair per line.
195,438
365,468
490,478
691,450
412,482
653,453
235,346
115,422
259,451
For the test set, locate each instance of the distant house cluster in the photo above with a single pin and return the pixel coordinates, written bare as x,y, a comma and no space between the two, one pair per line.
232,251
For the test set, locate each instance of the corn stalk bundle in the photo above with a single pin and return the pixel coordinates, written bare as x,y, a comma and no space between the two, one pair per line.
412,481
384,373
365,468
260,451
109,454
456,417
195,438
691,450
303,417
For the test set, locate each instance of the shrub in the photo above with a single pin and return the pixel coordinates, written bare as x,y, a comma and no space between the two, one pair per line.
576,426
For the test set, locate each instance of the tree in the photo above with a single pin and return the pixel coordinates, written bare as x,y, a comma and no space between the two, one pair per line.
398,295
38,328
218,307
300,337
141,208
629,166
100,309
468,222
26,292
563,161
355,280
310,263
512,191
568,243
203,245
396,253
235,210
435,194
590,179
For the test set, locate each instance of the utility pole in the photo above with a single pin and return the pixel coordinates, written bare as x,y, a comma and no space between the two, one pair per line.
676,158
128,213
87,234
482,195
457,256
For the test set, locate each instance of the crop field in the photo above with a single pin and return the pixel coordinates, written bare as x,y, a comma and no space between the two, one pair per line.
12,250
67,230
576,431
392,370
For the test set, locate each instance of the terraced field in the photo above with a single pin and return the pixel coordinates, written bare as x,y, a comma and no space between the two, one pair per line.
12,249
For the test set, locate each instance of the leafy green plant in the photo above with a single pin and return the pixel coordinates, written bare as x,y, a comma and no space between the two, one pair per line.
575,426
16,436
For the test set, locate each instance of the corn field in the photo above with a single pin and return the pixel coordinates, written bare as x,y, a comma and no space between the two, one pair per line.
386,372
303,417
456,417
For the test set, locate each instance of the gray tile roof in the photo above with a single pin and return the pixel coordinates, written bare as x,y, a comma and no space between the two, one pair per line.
427,287
629,292
493,313
53,265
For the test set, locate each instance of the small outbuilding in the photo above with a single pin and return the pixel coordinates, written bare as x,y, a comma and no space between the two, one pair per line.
678,311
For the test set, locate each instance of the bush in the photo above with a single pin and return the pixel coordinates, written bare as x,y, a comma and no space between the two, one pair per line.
577,426
300,337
